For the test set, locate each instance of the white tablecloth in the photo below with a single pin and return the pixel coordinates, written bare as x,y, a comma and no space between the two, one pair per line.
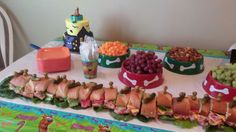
175,82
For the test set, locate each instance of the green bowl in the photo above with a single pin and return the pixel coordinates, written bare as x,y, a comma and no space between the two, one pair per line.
112,61
181,67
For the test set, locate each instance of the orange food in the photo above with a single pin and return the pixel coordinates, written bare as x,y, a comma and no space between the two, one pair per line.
115,48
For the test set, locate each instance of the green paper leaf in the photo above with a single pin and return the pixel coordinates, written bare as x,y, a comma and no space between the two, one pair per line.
5,82
228,129
212,129
4,88
11,94
116,116
143,118
8,94
126,117
99,109
220,129
61,103
73,102
167,118
162,108
78,107
48,100
185,123
36,100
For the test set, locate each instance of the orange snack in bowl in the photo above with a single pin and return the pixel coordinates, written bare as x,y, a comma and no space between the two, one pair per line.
115,48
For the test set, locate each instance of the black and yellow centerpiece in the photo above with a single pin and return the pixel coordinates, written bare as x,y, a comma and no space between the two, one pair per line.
112,54
184,60
77,27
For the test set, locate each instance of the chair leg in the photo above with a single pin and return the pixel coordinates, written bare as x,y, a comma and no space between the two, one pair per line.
3,41
10,31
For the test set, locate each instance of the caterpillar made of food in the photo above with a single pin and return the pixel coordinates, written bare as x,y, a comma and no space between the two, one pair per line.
134,101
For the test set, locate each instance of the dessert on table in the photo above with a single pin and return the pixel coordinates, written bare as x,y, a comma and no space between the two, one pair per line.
77,27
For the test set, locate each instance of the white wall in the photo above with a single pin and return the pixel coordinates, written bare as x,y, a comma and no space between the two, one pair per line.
196,23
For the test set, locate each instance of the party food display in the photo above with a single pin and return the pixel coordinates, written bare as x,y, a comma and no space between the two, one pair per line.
184,60
184,111
112,54
53,59
221,79
142,69
77,27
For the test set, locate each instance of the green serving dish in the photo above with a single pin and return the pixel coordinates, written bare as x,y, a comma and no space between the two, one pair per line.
181,67
112,61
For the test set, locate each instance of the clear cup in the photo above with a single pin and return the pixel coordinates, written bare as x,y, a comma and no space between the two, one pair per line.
90,69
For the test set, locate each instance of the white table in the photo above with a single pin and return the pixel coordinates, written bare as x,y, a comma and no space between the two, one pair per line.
175,82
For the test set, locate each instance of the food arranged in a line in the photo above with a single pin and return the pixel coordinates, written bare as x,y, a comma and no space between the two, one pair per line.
221,79
112,54
143,63
184,60
225,74
185,111
115,48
